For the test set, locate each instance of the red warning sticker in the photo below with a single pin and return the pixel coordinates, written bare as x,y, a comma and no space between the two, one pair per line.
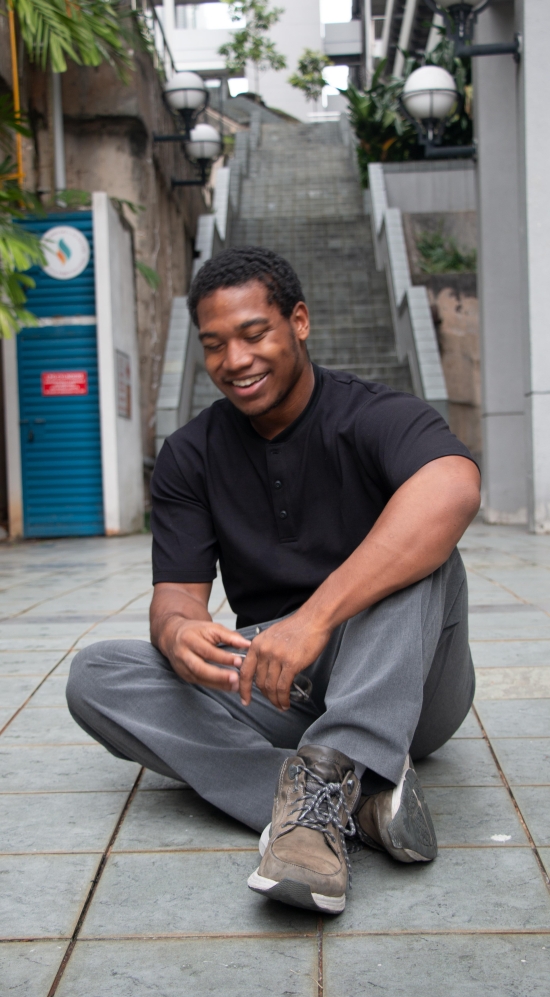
64,382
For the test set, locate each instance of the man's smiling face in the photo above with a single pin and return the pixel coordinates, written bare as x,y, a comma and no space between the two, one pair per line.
252,353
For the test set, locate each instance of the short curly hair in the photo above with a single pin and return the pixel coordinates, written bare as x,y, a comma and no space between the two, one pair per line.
237,266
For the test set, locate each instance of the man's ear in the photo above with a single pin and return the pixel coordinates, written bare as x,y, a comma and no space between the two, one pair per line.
299,321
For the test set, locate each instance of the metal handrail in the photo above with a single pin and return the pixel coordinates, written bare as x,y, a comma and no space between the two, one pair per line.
147,7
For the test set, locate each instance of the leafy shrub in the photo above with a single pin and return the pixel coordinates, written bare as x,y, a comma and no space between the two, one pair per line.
441,255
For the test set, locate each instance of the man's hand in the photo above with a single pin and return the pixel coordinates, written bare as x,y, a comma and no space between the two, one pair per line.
182,629
193,643
277,655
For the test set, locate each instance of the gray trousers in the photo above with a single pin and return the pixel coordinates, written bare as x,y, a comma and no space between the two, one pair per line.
397,677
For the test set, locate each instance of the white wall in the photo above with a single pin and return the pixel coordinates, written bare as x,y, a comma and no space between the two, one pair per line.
299,28
432,186
13,437
121,449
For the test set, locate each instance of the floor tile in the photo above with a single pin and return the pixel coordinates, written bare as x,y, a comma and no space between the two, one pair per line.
74,768
6,715
51,692
512,683
22,644
158,820
27,969
45,726
58,822
502,654
178,893
492,626
64,666
545,856
233,967
529,583
460,762
465,888
424,966
42,895
15,689
516,717
534,803
470,816
28,662
525,761
469,727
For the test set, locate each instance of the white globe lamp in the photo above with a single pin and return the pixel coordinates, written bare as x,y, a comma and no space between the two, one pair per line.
186,92
204,143
430,93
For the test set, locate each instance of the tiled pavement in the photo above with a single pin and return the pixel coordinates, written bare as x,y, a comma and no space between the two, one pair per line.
116,883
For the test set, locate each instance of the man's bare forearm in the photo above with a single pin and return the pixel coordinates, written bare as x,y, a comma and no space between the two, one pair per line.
415,534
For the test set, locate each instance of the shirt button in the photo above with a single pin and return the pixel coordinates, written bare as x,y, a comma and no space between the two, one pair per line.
277,484
275,452
283,514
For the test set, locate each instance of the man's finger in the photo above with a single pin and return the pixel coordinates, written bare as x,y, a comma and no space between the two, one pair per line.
232,637
284,684
201,673
246,675
215,654
270,682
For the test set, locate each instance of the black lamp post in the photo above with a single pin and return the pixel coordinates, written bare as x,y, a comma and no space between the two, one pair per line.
429,97
460,19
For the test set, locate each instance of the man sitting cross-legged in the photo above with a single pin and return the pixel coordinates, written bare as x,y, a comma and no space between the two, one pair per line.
333,506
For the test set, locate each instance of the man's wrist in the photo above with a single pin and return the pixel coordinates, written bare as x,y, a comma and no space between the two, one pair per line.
166,631
315,616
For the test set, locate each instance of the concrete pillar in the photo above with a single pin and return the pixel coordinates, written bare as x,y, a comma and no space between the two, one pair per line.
500,272
534,147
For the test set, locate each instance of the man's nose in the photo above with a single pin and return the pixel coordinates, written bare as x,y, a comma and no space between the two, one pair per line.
237,355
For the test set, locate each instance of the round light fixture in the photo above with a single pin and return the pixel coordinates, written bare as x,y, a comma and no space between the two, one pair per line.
430,92
204,143
185,92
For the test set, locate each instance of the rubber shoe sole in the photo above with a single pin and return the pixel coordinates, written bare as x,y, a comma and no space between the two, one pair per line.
288,891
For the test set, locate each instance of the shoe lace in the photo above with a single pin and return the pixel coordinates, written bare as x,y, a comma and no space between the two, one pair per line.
319,810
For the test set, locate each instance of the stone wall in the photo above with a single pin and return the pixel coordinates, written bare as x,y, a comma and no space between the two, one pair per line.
454,302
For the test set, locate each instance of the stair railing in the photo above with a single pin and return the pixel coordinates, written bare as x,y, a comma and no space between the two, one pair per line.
414,330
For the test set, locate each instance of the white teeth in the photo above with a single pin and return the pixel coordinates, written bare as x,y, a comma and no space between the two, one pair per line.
246,382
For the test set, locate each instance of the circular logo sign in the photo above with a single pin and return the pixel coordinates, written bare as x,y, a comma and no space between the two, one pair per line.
67,252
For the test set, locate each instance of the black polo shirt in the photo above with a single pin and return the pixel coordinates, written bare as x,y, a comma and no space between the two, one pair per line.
282,514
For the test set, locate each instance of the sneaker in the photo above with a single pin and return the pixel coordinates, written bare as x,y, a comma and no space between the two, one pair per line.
304,856
398,820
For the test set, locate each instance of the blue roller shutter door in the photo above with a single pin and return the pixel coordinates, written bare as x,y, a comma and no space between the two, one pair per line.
60,432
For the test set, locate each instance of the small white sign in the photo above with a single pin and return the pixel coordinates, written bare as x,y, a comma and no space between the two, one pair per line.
67,252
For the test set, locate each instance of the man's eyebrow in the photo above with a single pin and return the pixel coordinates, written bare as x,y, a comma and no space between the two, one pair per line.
261,320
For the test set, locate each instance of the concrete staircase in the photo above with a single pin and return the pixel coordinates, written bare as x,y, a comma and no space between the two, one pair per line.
302,199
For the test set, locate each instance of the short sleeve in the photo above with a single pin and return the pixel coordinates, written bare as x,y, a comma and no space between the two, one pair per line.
185,547
400,433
